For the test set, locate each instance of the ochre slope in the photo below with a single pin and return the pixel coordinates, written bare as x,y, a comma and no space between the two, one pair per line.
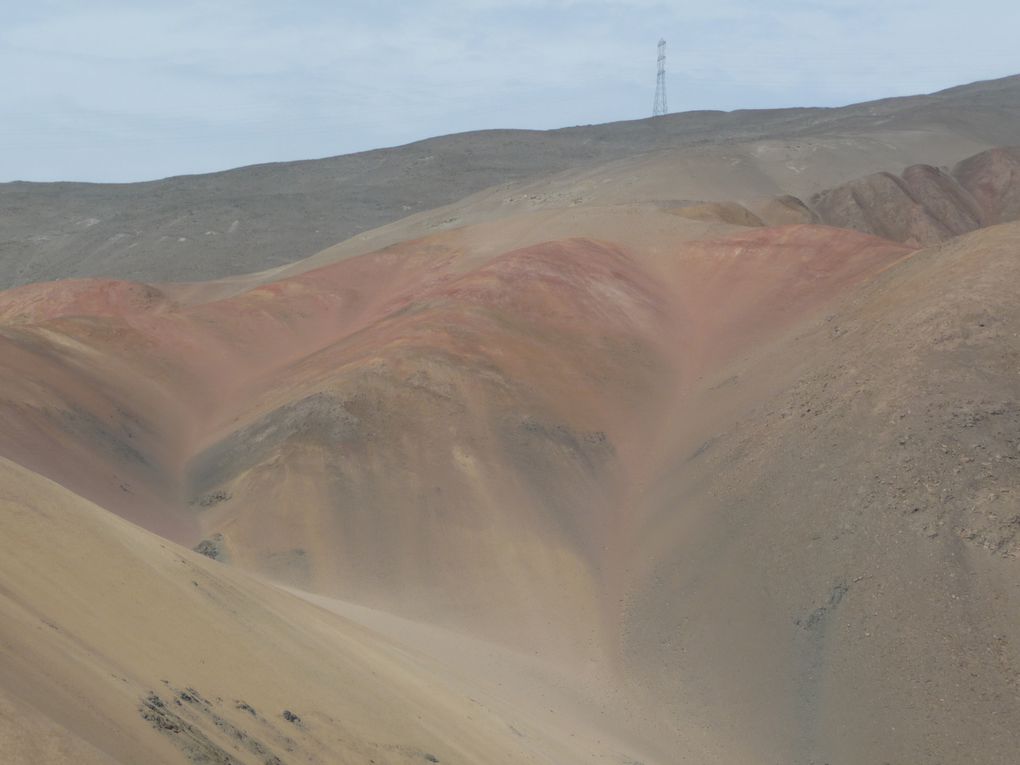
118,646
742,481
428,427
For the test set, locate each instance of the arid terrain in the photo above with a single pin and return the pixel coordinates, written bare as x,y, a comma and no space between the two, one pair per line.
686,440
200,227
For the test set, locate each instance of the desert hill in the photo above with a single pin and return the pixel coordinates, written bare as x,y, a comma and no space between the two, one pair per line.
419,466
849,530
700,454
209,226
927,205
213,666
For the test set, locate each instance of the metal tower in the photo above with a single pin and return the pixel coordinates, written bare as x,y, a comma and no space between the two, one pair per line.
660,106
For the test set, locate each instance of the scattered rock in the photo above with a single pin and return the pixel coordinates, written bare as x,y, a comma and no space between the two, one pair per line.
195,745
213,498
212,547
818,616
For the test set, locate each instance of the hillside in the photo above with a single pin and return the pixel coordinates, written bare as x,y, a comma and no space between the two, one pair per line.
127,648
927,205
545,475
201,227
701,454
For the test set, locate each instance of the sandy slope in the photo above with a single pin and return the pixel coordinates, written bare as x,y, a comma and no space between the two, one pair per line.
100,617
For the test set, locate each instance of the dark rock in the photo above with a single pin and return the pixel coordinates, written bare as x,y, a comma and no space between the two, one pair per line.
212,547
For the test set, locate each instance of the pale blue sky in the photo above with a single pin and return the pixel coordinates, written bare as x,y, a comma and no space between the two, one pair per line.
111,90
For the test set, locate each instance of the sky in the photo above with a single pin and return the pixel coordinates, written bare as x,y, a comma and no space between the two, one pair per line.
118,90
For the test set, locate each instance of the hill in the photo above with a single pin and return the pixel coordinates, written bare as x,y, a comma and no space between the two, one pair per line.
120,647
644,461
540,448
209,226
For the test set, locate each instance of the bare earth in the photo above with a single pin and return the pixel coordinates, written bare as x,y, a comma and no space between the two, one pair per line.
701,449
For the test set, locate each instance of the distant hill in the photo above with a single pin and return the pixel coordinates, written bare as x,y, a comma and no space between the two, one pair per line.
927,205
208,226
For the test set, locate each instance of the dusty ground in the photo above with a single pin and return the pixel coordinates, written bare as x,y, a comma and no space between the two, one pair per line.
626,478
123,647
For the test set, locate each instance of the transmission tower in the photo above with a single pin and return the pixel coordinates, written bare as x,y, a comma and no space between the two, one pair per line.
660,106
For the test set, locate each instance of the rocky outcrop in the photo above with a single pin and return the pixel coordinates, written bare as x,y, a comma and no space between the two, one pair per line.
926,205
